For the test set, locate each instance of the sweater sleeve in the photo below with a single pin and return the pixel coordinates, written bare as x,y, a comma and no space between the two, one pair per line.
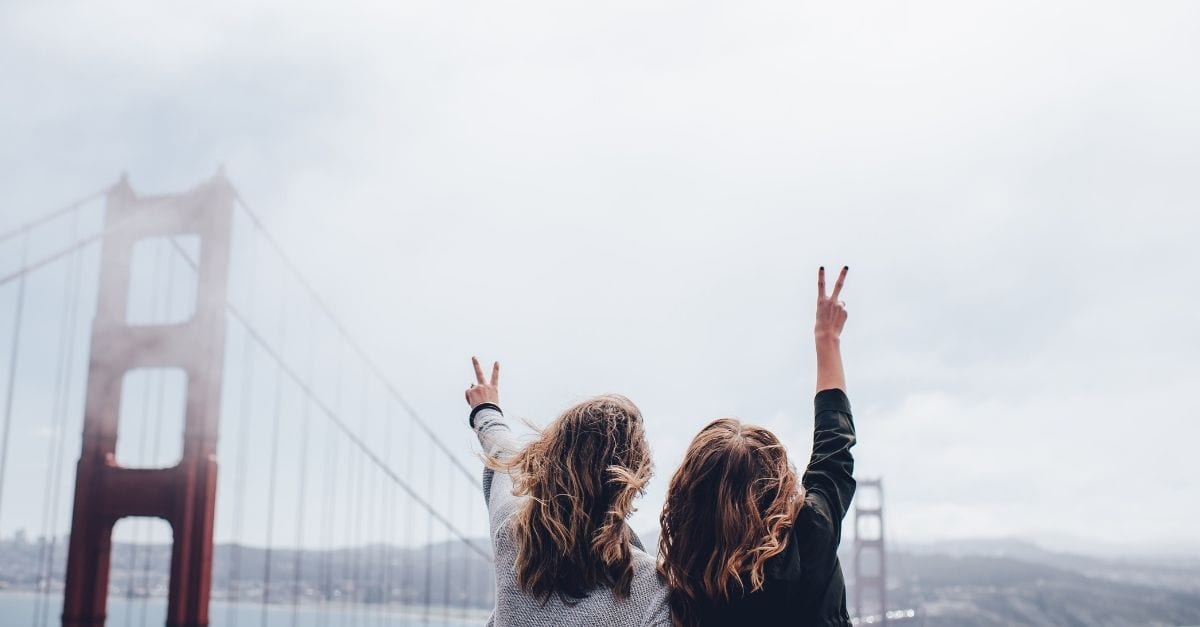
497,441
829,479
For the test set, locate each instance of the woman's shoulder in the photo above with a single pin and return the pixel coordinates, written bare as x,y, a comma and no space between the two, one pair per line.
645,568
814,538
649,590
814,517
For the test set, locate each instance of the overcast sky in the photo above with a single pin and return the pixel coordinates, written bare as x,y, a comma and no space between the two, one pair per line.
634,197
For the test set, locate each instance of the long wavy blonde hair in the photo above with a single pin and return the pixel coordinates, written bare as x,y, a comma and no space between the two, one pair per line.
581,474
729,508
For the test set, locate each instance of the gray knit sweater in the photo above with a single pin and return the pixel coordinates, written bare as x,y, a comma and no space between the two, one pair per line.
647,602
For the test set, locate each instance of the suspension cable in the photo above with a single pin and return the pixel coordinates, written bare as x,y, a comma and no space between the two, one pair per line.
354,438
350,341
53,215
27,267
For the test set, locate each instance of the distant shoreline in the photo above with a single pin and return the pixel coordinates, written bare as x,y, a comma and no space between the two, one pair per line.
398,610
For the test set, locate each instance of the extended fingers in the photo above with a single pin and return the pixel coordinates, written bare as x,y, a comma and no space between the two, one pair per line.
841,280
496,374
478,371
821,283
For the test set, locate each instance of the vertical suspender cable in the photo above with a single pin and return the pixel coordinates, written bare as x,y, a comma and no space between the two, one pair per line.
323,564
363,531
298,556
12,365
467,565
410,525
331,572
382,497
377,495
353,345
385,524
301,496
322,509
235,558
357,548
60,453
266,597
329,491
57,417
365,523
369,565
449,545
247,387
429,554
331,503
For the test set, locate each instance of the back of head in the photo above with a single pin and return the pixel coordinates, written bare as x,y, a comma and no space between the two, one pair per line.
729,508
581,475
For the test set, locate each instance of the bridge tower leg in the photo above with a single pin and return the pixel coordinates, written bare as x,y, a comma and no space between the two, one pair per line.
184,495
870,553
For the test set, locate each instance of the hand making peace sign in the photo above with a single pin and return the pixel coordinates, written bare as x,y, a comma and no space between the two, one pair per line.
831,312
484,391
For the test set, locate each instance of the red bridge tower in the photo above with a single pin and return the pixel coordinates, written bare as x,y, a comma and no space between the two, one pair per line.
184,495
870,553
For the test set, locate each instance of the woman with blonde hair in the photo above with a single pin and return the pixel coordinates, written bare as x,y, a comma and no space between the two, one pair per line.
744,540
564,553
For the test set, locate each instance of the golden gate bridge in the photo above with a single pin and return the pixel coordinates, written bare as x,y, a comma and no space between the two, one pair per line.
139,327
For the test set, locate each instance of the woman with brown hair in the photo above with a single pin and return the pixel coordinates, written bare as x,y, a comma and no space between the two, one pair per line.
564,554
744,540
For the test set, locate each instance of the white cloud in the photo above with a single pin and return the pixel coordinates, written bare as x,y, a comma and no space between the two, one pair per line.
632,197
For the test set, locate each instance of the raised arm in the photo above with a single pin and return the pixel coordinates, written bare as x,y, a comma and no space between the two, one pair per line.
488,422
829,478
831,317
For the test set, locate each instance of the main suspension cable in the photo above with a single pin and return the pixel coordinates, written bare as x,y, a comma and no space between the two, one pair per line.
352,343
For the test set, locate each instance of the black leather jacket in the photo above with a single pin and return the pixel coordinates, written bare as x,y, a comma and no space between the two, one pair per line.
804,584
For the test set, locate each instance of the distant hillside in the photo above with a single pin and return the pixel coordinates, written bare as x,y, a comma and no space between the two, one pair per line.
961,584
438,574
1008,582
983,591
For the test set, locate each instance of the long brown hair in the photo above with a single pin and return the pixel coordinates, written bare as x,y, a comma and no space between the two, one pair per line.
729,508
581,475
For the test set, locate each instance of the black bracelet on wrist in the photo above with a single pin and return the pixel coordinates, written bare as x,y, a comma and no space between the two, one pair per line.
476,409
